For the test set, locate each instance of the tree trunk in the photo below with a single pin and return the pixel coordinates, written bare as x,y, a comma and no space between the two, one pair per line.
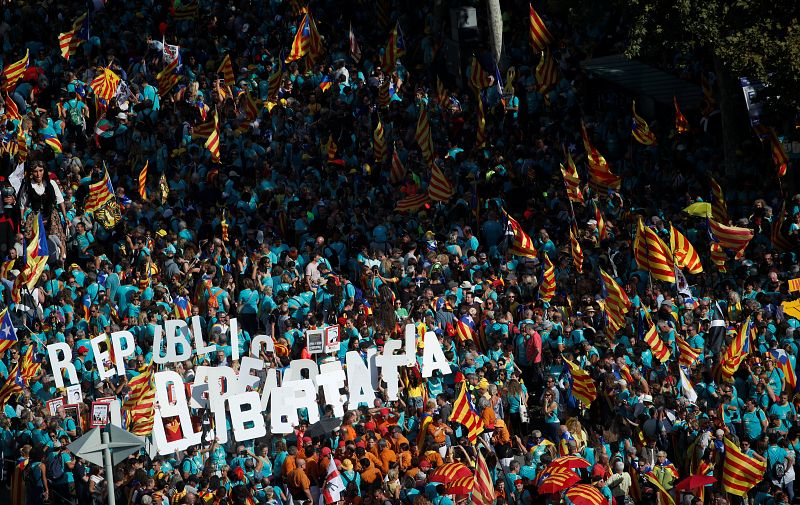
735,121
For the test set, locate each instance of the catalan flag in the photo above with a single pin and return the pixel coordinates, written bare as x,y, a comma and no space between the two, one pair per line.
779,156
480,134
687,355
13,72
666,498
779,240
8,335
52,142
439,189
37,254
521,244
719,209
105,84
168,77
140,403
617,302
12,111
483,490
327,82
64,42
681,124
143,181
398,172
226,69
183,307
212,142
601,223
355,50
577,252
660,351
571,180
740,473
251,108
736,352
385,93
547,288
641,131
540,35
730,237
306,40
478,77
600,177
685,255
276,78
423,135
466,328
379,147
581,384
100,193
186,12
464,414
718,257
395,48
652,254
20,376
784,364
441,93
411,203
546,73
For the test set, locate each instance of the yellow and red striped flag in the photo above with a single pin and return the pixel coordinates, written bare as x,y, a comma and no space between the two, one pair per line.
583,388
730,237
540,35
398,172
521,243
601,223
779,240
140,403
483,489
577,252
547,289
143,181
384,96
439,189
379,143
441,93
687,355
736,353
105,84
740,473
666,498
616,303
250,107
12,111
685,255
652,254
423,135
719,209
660,351
718,257
13,71
212,142
167,78
641,131
546,73
64,42
681,124
478,77
572,181
779,156
274,81
480,133
411,203
395,48
100,193
226,69
600,177
464,414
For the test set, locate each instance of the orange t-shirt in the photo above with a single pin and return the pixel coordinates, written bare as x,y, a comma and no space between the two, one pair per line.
387,456
437,432
370,475
297,480
434,458
289,464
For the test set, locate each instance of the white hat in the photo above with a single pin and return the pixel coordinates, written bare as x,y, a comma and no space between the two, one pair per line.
122,115
647,399
466,285
478,300
591,221
622,382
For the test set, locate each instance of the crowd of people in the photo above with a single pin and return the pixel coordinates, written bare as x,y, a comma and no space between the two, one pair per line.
295,227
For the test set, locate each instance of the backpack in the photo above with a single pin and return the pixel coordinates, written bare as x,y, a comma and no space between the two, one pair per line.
777,471
75,116
56,469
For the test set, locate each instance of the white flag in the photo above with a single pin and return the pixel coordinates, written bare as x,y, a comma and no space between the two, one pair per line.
334,485
355,51
171,53
686,387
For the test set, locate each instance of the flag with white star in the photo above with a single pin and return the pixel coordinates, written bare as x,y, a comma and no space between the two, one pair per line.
8,335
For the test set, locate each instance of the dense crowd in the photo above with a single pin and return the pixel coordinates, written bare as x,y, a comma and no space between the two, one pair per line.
295,227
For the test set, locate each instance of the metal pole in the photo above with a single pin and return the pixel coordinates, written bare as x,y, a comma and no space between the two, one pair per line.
106,439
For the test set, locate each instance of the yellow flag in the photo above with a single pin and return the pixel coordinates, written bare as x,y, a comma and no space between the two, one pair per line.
699,209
